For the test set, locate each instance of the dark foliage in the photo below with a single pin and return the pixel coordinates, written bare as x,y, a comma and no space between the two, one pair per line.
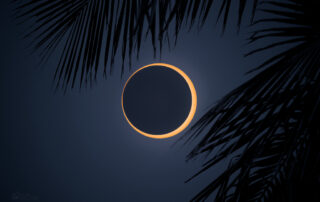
93,32
270,124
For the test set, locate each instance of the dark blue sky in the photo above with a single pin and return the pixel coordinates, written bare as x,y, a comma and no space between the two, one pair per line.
79,147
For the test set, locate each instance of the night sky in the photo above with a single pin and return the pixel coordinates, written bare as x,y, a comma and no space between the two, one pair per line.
77,146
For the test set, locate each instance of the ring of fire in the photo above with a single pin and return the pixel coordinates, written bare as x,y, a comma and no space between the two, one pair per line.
192,108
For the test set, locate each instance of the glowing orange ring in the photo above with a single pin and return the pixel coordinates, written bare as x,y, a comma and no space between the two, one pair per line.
192,109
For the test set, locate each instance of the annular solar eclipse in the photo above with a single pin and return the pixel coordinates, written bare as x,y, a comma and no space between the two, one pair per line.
159,100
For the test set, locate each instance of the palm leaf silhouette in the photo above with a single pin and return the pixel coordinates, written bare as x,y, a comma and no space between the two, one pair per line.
269,125
85,28
92,32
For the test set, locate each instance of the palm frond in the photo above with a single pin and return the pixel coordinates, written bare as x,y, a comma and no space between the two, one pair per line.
93,32
268,124
82,27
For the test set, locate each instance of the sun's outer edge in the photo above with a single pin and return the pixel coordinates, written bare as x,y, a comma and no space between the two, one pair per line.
192,109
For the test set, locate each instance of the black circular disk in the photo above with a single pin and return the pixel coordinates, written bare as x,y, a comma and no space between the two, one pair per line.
157,100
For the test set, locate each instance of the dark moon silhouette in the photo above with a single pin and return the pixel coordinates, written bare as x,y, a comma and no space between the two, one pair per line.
157,100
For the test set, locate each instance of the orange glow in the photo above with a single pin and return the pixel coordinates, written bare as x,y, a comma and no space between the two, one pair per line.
192,109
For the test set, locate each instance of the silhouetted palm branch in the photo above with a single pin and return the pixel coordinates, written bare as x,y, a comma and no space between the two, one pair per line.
92,32
85,28
270,124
